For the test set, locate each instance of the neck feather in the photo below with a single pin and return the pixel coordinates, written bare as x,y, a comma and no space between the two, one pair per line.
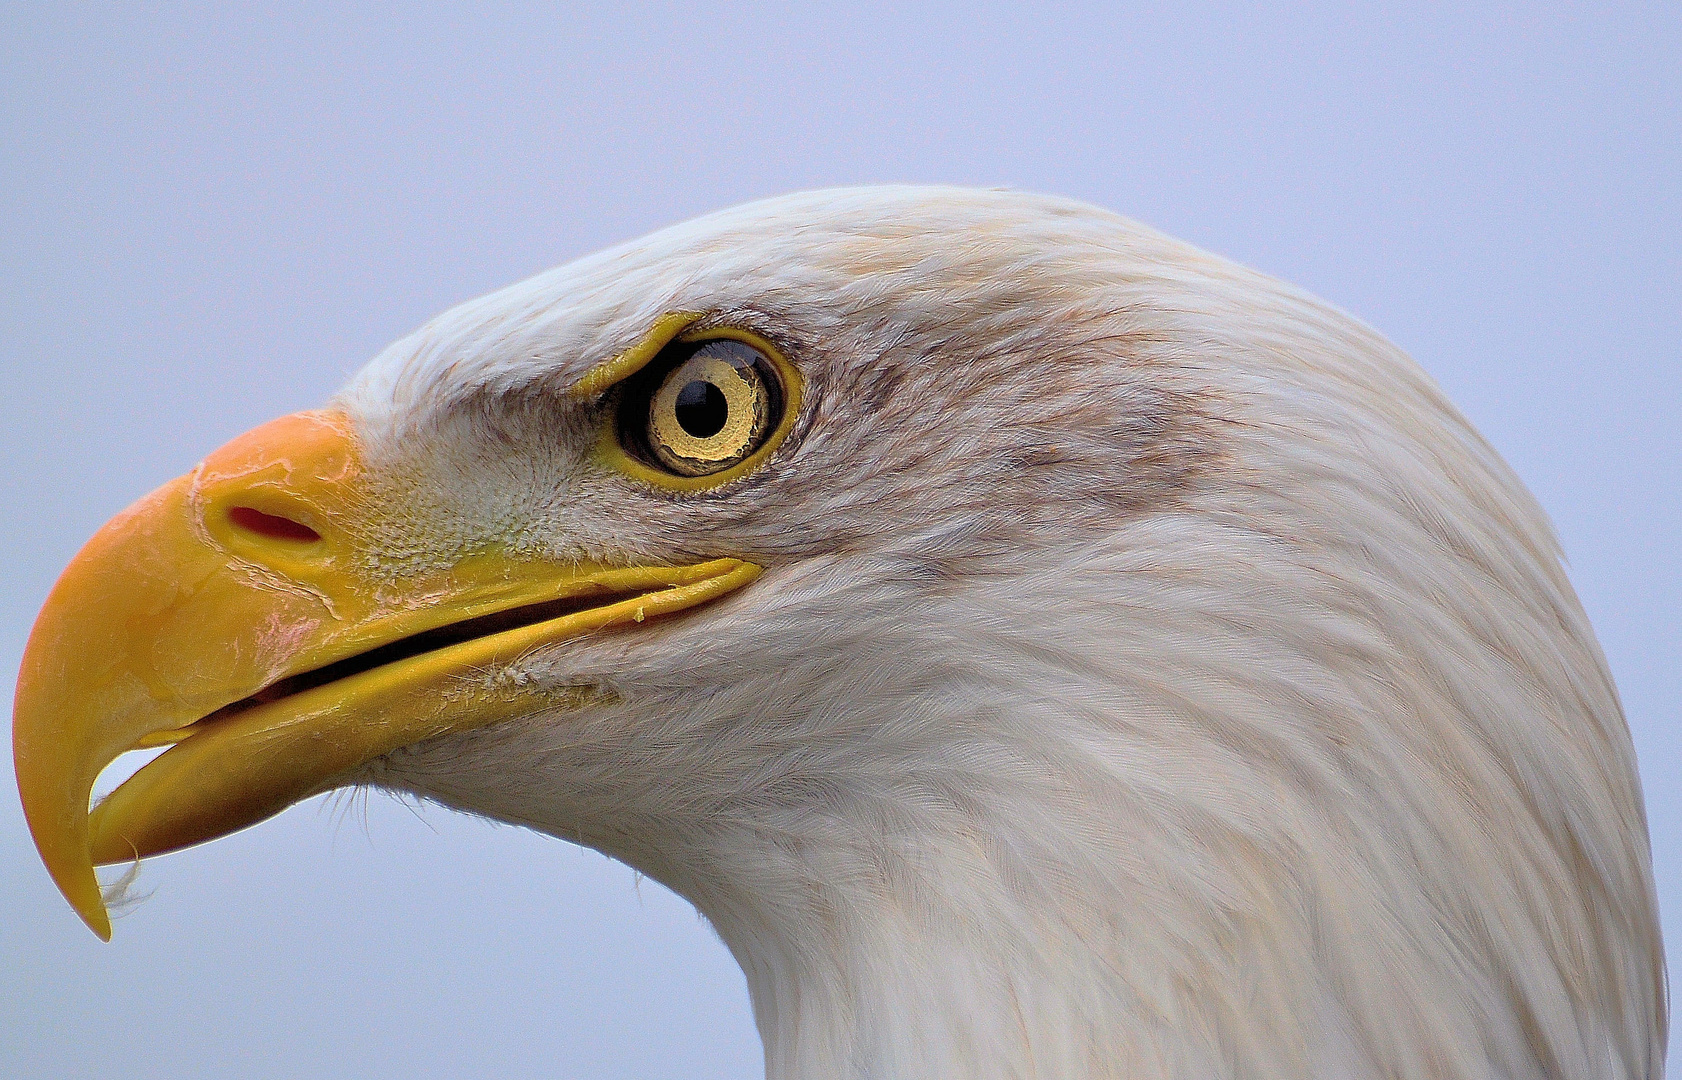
1139,831
1171,810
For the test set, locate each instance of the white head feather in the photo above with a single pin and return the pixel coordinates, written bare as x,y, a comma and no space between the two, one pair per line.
1154,675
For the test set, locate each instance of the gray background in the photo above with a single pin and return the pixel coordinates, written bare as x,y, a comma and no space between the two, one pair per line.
209,219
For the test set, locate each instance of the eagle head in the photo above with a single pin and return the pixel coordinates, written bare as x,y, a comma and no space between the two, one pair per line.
1038,647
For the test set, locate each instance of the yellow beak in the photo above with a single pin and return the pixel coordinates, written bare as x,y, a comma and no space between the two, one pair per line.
238,614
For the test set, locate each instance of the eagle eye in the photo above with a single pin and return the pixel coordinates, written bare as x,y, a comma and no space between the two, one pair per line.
702,407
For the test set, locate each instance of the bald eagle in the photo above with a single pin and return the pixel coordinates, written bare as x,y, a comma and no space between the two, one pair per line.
1038,647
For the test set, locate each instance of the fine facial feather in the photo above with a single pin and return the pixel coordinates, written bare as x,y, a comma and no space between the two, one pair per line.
1153,676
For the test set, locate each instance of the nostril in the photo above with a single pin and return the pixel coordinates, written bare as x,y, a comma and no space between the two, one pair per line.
272,526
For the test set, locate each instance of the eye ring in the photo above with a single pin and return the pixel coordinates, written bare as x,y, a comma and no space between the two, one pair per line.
668,432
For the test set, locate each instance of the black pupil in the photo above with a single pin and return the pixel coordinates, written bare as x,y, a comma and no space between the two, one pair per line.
701,409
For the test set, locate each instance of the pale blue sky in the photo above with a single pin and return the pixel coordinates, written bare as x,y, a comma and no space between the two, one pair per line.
208,219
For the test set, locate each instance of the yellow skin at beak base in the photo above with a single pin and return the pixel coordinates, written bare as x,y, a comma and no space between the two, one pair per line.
173,611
